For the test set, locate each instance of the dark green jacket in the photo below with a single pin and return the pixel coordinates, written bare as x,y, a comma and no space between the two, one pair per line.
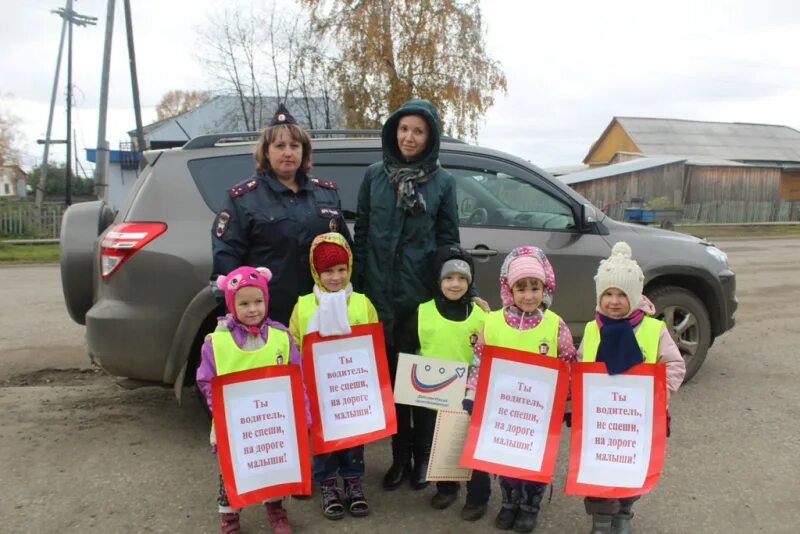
393,250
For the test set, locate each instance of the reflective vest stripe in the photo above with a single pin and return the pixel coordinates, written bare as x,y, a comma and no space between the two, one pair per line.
440,337
647,335
357,311
229,358
542,339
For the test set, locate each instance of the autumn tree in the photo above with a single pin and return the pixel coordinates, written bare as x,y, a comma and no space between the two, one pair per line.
178,101
393,50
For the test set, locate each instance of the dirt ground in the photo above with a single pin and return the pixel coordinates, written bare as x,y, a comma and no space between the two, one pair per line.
82,454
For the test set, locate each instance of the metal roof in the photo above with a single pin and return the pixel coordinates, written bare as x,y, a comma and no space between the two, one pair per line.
725,140
616,169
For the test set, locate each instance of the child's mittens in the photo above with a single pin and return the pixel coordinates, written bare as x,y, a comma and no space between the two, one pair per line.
467,404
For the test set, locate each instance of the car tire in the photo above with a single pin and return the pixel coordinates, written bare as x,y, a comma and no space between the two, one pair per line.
687,319
80,226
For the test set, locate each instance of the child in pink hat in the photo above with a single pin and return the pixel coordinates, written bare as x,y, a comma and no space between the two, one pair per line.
246,328
526,323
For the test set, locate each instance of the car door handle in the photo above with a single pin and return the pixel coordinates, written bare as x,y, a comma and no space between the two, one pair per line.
481,252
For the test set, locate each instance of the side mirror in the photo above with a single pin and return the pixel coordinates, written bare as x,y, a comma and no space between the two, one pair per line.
588,216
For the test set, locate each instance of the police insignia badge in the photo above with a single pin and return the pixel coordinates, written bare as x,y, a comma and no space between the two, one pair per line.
221,223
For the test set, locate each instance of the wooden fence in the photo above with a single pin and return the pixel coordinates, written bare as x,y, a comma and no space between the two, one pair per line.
18,220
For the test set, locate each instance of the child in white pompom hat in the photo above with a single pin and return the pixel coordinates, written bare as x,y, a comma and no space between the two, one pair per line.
624,333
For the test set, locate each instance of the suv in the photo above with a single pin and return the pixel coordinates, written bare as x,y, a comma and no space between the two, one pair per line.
138,279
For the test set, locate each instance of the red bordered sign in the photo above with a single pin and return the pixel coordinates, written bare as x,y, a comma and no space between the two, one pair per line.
262,444
619,427
349,388
517,416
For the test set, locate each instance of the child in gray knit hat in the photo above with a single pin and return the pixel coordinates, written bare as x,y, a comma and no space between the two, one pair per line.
623,334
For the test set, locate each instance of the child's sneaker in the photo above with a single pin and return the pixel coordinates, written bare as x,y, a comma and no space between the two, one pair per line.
277,519
357,502
332,505
229,523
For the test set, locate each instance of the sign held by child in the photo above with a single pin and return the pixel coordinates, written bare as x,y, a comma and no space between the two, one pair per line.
349,388
257,415
619,430
519,406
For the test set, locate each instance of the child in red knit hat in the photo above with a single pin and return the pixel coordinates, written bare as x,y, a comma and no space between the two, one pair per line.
331,309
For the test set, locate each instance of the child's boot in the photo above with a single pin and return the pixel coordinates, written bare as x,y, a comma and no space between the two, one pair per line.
229,523
602,523
622,523
277,518
357,503
332,505
510,507
529,504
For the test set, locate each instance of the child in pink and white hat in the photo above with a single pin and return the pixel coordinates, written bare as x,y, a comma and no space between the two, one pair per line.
246,329
526,323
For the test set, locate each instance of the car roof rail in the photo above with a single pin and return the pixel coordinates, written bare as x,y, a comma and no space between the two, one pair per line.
211,140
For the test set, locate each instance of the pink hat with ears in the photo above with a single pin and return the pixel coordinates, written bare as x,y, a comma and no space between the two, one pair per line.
244,277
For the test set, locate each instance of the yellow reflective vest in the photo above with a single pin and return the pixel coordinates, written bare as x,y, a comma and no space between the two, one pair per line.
647,335
440,337
229,358
357,311
541,339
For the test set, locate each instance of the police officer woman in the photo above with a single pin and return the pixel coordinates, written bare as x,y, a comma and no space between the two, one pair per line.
270,219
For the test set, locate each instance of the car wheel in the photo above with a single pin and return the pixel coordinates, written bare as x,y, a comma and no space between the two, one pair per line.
80,226
687,320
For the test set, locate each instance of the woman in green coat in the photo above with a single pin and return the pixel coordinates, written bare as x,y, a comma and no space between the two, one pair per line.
407,208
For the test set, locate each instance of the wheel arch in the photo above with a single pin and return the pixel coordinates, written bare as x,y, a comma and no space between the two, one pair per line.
198,320
702,288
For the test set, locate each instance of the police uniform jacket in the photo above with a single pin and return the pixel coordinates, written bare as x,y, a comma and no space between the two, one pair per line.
264,223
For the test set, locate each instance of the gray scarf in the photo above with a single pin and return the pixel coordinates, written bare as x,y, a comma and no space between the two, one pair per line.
405,179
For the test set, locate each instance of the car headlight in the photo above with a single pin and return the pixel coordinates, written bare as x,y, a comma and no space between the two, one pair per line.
718,255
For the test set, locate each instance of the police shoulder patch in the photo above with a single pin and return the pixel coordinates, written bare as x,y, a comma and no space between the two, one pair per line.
221,224
327,184
243,188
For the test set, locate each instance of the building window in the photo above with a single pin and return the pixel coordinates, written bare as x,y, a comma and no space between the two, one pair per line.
7,188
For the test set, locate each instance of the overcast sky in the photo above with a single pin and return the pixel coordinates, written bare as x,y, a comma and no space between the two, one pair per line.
571,67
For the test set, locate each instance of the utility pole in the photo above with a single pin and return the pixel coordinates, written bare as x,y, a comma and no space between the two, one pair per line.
101,168
40,187
137,109
71,17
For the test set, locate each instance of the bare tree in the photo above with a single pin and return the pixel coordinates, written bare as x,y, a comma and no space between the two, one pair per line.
259,53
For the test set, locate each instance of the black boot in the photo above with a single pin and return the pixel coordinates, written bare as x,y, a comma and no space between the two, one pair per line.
530,501
419,475
508,513
401,463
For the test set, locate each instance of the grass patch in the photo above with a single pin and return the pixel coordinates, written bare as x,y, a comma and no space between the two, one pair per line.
45,253
740,230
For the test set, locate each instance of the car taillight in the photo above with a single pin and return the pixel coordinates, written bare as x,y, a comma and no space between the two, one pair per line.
123,240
